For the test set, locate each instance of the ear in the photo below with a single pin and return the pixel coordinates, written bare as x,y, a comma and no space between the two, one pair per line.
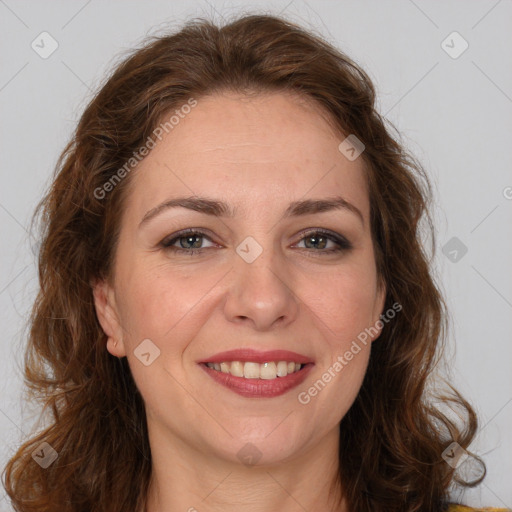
380,301
108,316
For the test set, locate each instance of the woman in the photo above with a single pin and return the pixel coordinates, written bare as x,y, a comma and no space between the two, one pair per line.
236,310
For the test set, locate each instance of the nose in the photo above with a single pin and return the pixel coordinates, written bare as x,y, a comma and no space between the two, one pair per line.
261,293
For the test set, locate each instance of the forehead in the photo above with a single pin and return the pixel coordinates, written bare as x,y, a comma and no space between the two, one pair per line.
250,150
271,125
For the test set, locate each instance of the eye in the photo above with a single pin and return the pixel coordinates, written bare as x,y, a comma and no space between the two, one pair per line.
189,242
319,239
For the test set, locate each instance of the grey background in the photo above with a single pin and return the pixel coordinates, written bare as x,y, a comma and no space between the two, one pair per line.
453,113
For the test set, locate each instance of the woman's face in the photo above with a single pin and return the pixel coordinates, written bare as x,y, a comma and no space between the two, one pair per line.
244,287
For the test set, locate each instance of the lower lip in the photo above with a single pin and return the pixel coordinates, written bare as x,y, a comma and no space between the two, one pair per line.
259,388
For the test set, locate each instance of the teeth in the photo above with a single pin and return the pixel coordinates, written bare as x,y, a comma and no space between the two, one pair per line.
250,370
282,368
236,368
268,371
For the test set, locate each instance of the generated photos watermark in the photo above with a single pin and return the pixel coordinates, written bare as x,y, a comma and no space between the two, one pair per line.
143,151
304,397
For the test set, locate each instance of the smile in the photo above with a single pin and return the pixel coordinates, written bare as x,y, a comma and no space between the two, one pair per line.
254,374
252,370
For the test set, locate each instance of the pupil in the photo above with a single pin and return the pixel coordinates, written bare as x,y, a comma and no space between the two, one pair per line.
315,241
189,239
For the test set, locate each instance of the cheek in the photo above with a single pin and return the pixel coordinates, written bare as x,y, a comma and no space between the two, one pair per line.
344,311
344,301
157,302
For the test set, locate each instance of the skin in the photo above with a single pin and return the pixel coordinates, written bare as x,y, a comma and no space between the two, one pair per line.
257,153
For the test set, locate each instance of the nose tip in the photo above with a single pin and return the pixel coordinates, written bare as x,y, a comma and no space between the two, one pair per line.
258,292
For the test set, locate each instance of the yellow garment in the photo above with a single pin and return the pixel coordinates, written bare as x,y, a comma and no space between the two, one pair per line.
462,508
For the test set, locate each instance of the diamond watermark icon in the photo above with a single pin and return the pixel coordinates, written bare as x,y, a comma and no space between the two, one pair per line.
455,455
454,249
249,249
454,45
249,454
351,147
44,455
146,352
44,45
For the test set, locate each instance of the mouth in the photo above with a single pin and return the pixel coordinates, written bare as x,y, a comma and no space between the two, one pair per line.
252,370
256,374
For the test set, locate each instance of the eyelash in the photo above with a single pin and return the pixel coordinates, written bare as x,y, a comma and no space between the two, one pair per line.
342,242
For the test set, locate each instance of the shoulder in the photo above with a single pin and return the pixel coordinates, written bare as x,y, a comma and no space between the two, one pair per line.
463,508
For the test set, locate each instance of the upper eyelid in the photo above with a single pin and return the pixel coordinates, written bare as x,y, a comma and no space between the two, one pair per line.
185,232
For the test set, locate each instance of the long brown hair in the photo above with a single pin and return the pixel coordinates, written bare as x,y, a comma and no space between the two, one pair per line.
392,438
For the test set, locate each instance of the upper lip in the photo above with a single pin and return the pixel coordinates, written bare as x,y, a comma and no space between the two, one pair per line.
257,356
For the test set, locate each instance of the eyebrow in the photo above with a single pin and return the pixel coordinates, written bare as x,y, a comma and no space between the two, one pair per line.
221,209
